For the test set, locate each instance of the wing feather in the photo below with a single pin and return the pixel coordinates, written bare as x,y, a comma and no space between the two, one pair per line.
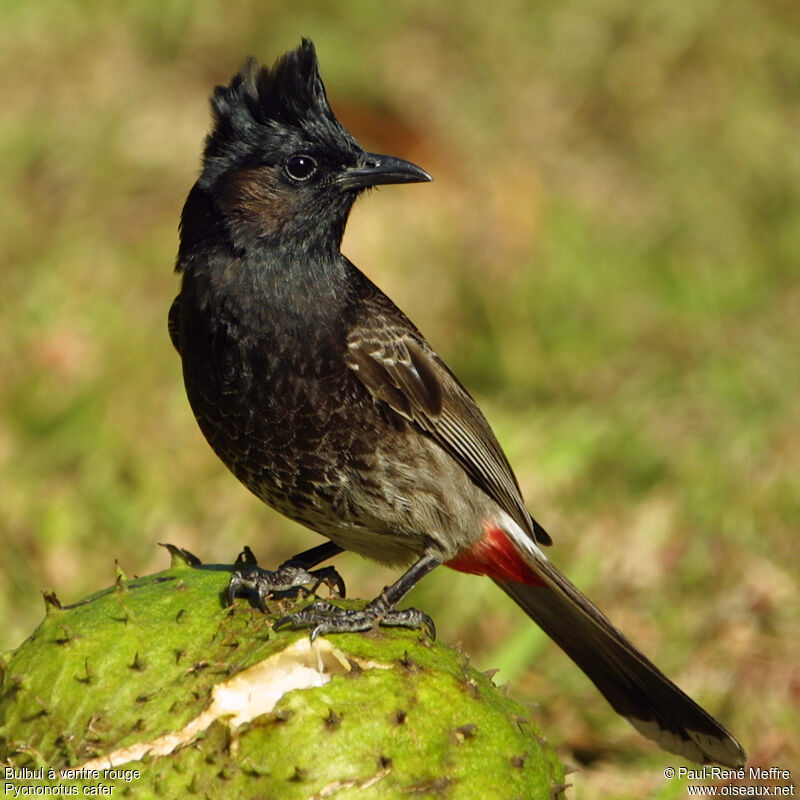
400,369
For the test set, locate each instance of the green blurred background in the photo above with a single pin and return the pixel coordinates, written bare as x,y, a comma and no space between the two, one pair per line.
608,258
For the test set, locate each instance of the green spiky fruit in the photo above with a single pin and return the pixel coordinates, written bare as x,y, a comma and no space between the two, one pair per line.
153,688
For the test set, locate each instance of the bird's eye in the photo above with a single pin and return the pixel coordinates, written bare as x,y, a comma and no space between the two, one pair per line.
301,167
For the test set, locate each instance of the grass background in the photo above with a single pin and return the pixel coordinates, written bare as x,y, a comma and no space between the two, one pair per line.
608,258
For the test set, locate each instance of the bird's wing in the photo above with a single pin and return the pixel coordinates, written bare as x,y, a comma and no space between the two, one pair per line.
174,323
400,369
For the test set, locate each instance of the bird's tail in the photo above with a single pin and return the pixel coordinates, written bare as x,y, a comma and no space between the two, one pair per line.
634,686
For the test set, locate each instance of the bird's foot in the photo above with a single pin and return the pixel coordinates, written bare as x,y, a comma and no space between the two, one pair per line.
323,617
290,579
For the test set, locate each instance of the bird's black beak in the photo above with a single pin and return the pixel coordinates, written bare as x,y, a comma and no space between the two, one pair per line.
375,170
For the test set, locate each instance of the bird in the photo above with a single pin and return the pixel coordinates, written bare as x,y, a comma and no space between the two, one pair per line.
324,399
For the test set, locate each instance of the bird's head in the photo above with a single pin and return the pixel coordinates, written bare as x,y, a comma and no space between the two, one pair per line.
278,163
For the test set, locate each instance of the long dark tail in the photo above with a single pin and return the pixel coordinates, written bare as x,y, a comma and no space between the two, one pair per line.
634,686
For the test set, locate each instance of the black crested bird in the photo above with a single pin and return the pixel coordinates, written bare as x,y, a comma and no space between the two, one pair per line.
325,400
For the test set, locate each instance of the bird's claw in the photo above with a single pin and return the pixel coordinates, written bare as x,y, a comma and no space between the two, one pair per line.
251,581
322,618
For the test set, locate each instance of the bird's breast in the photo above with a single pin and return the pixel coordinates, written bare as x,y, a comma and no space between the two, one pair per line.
276,402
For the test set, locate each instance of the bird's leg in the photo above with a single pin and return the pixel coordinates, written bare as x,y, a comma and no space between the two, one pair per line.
250,580
323,617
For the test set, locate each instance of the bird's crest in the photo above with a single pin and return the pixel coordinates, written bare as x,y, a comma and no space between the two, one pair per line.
285,99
